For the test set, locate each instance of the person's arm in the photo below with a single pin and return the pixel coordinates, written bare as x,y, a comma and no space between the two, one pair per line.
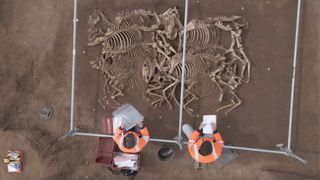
216,134
194,137
144,139
196,134
144,131
218,137
118,133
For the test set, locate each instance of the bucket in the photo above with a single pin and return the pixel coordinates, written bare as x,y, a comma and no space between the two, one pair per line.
165,153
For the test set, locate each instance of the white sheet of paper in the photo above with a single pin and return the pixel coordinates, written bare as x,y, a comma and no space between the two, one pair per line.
126,114
116,123
14,167
208,119
126,160
128,123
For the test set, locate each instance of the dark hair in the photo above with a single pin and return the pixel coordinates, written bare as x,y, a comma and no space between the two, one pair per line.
205,148
129,141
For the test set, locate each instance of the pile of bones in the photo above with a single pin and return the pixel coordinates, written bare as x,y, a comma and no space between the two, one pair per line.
141,48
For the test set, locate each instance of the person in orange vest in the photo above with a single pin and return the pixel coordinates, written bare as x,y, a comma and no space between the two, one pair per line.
204,148
133,140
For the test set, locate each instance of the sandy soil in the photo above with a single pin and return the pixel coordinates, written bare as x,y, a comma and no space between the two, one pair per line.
35,71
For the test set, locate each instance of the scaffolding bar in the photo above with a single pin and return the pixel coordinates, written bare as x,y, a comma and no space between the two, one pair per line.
73,79
176,142
111,136
255,149
295,53
183,66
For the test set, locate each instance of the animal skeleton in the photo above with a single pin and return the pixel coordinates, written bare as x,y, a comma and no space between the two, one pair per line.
200,34
208,62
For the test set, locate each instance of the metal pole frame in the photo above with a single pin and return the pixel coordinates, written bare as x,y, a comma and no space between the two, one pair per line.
287,151
74,52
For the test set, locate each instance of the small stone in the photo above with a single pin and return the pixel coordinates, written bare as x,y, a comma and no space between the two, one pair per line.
86,177
197,115
46,113
77,20
197,1
83,52
242,8
94,109
160,117
268,69
228,126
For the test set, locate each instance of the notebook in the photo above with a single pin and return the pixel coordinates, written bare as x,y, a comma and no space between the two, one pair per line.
208,119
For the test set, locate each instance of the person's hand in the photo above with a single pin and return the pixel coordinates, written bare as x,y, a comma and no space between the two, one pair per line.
122,126
214,126
202,125
140,124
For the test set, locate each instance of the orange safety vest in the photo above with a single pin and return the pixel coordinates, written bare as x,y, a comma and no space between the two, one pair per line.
194,145
140,142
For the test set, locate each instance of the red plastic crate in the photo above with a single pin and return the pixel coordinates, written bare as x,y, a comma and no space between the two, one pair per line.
105,151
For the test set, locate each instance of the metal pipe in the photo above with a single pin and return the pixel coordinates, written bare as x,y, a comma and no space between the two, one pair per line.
111,136
163,140
92,134
183,66
251,149
298,158
73,79
176,142
294,72
255,149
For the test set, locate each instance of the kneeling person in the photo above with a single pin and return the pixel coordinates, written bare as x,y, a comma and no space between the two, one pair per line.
203,148
132,141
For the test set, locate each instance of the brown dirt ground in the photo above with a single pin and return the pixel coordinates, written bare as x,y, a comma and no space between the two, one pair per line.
35,71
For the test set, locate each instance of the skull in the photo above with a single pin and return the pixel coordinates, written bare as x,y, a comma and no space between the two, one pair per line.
176,59
148,69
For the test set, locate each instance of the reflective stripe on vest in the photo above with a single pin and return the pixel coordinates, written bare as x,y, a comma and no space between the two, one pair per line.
215,156
137,145
146,138
121,141
196,153
191,142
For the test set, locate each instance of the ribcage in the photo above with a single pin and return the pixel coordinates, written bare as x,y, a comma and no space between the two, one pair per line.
121,78
203,85
193,66
137,18
201,35
123,41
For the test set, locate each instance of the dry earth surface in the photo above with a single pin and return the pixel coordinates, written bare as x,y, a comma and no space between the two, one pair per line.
35,71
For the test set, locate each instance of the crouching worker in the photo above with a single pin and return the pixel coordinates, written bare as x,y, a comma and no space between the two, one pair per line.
204,148
133,140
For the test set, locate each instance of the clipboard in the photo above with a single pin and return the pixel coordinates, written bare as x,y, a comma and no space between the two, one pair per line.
207,120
